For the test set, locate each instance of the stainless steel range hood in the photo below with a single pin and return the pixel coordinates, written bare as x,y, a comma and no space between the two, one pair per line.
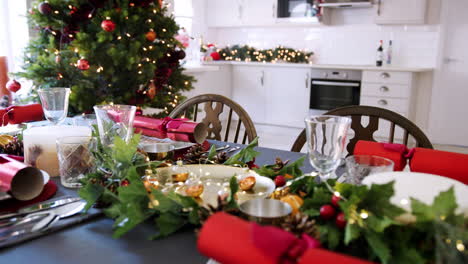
346,3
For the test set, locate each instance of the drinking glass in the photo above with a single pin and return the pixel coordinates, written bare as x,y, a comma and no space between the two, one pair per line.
75,159
85,120
360,166
54,103
114,120
326,139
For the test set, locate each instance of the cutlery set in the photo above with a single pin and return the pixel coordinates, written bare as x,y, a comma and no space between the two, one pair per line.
39,217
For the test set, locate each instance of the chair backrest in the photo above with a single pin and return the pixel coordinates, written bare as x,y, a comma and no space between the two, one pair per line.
214,106
367,133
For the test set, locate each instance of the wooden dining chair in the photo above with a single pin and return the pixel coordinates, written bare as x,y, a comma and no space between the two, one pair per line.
219,125
356,112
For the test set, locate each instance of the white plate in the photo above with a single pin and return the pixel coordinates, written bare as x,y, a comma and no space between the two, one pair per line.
421,186
5,196
216,178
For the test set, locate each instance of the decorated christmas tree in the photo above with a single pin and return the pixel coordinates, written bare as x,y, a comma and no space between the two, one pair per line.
119,51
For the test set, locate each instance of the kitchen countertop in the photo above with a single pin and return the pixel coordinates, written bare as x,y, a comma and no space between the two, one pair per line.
324,66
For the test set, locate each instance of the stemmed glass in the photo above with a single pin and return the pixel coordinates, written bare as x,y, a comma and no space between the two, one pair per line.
326,139
114,120
54,103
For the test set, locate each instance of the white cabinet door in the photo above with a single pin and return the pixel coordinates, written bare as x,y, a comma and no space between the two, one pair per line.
248,90
223,13
400,11
259,12
287,95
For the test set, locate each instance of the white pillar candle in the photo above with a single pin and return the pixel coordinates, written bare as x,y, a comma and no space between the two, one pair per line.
40,148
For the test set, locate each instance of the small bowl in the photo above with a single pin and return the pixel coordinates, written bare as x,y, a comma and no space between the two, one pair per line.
265,211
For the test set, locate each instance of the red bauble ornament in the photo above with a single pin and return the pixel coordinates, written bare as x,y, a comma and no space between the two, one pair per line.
151,36
108,25
58,59
327,211
215,55
335,199
45,8
280,181
82,64
13,86
340,220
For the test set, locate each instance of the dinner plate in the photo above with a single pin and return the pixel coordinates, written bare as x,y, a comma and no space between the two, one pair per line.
216,178
6,196
421,186
145,140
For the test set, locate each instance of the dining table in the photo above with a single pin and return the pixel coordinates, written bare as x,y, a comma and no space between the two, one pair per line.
90,241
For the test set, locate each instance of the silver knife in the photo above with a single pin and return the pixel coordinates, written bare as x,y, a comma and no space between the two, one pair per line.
49,217
41,206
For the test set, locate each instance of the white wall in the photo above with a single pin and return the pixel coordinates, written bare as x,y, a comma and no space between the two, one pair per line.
351,38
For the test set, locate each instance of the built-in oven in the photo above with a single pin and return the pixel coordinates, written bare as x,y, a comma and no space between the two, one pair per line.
331,89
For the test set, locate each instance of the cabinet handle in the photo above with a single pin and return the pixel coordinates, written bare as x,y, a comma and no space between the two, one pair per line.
262,78
385,75
384,89
240,11
307,81
379,5
382,102
274,11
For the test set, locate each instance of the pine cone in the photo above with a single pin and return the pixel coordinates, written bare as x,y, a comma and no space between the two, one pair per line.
221,158
300,223
14,147
194,155
279,164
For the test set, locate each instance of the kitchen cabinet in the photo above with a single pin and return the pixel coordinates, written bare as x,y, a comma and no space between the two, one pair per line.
249,90
259,12
287,95
390,90
273,95
400,12
223,13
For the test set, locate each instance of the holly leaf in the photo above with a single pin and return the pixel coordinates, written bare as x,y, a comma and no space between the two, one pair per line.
245,155
377,200
312,212
123,152
293,168
320,197
444,205
352,232
378,224
330,234
212,153
91,193
377,244
168,223
266,171
165,204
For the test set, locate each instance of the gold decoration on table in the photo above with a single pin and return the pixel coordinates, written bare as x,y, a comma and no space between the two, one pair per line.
247,183
11,145
195,190
6,139
295,201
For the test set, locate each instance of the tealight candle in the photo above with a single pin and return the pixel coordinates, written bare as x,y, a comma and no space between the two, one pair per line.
40,148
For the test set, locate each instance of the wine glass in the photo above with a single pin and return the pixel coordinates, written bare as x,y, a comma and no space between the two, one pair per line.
54,102
114,120
361,166
326,139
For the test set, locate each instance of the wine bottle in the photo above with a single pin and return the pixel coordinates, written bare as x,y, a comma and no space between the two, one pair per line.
380,55
389,53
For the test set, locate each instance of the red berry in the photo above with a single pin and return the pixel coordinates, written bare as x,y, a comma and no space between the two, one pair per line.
280,181
13,86
327,211
125,183
83,64
340,220
335,199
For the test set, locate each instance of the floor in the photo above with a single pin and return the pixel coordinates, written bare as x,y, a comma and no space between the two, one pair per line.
284,137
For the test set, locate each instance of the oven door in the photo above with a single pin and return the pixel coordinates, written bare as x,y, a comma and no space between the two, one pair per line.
331,94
